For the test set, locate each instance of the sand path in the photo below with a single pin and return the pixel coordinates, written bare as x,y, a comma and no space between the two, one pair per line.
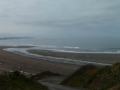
53,84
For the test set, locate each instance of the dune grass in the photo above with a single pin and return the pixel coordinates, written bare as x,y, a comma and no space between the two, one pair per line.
45,74
17,81
95,78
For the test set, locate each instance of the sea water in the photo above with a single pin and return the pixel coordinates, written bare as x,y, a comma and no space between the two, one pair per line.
76,45
81,45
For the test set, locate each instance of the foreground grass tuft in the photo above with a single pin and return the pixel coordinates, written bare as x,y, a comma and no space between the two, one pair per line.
45,74
17,81
96,78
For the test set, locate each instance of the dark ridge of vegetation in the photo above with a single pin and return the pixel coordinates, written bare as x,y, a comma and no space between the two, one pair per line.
17,81
44,75
95,78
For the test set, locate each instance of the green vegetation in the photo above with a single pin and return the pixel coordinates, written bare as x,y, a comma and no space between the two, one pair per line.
44,75
96,78
17,81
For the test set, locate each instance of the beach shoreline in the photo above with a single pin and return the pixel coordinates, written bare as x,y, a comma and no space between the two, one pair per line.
12,61
107,58
15,62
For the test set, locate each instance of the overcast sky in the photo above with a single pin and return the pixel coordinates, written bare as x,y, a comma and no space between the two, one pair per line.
60,18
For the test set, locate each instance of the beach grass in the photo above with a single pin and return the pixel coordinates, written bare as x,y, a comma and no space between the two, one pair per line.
95,78
43,75
17,81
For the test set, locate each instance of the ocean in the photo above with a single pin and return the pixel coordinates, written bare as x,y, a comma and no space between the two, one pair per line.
71,45
77,45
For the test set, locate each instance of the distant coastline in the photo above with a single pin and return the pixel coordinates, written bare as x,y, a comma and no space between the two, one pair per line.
7,38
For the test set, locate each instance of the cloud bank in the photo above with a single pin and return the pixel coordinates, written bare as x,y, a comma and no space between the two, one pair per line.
56,18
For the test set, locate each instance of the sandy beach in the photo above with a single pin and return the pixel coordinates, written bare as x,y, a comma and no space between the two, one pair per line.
94,57
11,61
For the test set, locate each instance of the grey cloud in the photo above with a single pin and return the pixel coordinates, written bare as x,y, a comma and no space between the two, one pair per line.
78,16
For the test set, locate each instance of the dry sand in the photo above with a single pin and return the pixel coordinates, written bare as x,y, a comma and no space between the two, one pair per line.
14,62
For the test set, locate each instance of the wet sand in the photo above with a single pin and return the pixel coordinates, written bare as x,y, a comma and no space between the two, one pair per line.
94,57
11,61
